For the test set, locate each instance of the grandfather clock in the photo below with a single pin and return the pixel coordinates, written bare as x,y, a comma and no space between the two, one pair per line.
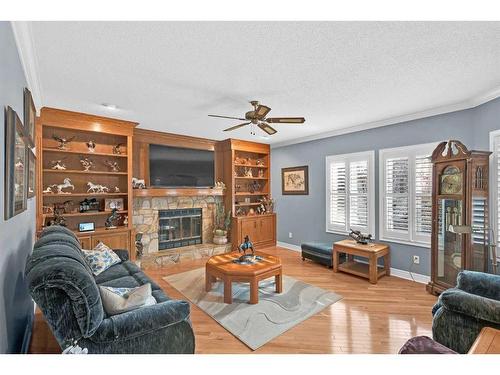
460,227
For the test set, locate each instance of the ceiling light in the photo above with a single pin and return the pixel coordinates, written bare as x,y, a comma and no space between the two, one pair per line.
109,106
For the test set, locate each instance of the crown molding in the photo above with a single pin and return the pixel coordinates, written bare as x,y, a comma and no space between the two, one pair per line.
27,54
466,104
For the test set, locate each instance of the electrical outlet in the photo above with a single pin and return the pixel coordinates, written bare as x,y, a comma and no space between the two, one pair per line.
290,235
416,259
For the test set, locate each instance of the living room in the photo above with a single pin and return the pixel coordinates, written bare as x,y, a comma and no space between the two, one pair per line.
250,187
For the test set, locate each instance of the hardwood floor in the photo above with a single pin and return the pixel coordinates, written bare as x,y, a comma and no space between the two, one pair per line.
369,319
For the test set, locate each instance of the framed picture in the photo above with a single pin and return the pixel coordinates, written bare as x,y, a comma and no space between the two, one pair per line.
29,117
31,173
295,180
16,163
117,203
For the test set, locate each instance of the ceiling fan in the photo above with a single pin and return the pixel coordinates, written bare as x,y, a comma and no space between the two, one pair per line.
258,117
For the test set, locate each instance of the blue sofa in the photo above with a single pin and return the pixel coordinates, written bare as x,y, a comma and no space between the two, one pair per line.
461,312
64,288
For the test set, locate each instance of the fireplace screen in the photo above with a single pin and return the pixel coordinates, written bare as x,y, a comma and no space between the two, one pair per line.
179,228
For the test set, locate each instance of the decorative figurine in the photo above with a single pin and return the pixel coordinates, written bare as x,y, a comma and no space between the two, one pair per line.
125,221
139,247
113,165
95,188
248,172
48,190
117,150
254,187
63,141
360,238
89,205
259,162
260,174
86,164
90,145
268,204
220,185
112,219
66,184
138,184
246,245
68,207
58,165
117,189
58,218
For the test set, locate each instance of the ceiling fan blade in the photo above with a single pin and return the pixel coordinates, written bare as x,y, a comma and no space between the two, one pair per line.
232,118
236,127
267,128
286,120
261,111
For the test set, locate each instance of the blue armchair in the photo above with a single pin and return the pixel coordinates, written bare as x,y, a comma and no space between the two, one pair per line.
461,312
64,288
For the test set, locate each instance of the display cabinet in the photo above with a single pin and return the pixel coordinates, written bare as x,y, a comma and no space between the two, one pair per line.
460,228
246,173
85,171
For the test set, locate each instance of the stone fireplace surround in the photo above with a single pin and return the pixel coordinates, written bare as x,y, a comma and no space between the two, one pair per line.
145,217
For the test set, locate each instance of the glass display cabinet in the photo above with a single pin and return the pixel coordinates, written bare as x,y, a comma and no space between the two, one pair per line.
460,228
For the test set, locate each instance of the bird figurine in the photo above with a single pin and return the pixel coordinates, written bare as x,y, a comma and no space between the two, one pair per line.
86,163
113,165
63,141
117,148
91,146
58,165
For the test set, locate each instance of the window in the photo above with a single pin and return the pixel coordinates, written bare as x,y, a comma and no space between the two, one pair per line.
406,194
350,193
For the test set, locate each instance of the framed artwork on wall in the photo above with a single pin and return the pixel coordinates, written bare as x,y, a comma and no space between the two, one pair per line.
31,173
29,117
16,175
295,180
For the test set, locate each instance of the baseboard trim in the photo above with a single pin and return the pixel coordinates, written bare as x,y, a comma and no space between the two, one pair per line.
402,274
417,277
288,246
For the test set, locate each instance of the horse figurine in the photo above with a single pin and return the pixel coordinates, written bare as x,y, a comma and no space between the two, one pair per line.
245,246
66,184
95,188
138,184
112,220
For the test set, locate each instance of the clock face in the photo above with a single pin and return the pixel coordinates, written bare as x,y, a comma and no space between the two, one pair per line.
451,183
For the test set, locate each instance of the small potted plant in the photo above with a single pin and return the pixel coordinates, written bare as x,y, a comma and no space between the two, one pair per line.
222,223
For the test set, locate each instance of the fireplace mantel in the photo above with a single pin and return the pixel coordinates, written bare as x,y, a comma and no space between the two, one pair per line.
187,192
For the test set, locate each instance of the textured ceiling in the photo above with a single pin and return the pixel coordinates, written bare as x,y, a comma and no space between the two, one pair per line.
169,75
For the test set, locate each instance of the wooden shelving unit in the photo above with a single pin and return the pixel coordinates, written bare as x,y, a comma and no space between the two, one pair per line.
243,193
106,133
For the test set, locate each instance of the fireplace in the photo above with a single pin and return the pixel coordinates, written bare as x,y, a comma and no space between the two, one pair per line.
178,228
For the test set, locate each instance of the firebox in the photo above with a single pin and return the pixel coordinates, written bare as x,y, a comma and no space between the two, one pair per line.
179,228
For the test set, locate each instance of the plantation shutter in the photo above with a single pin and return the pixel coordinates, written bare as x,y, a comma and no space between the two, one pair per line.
423,196
396,195
338,196
358,195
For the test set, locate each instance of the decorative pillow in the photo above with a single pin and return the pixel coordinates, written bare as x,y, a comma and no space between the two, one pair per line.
100,258
120,300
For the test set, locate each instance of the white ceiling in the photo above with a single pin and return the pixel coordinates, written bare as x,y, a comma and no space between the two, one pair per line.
169,75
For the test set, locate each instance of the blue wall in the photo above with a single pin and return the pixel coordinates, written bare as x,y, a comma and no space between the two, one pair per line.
16,234
304,215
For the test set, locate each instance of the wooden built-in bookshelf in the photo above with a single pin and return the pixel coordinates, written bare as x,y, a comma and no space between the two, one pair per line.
106,133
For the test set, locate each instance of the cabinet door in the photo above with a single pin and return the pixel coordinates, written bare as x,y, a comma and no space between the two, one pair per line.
112,240
266,228
249,228
86,242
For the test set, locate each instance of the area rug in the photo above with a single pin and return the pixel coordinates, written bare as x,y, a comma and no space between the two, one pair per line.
256,324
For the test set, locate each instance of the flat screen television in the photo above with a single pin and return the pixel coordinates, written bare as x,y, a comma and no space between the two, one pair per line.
180,167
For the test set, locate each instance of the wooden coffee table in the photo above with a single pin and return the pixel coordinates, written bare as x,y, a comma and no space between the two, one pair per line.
222,267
